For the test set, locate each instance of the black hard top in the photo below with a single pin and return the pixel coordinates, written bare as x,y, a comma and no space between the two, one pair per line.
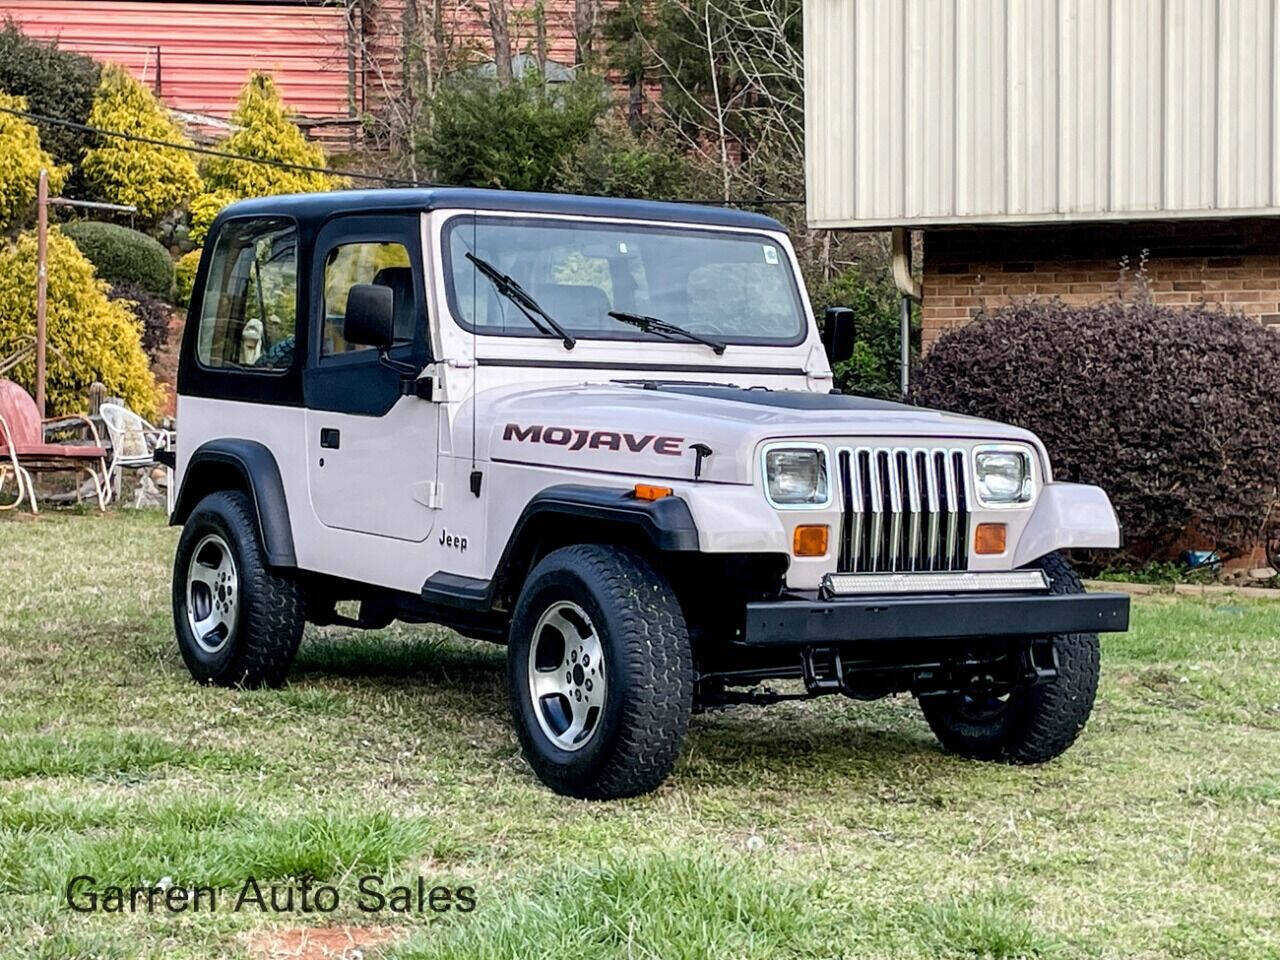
320,206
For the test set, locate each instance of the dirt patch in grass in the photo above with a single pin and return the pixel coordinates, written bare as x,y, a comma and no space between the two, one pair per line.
320,943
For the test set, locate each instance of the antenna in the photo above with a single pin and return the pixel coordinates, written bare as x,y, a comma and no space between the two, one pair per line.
475,366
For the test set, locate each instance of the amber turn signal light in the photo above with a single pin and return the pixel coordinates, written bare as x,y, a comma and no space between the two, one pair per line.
810,540
989,538
647,491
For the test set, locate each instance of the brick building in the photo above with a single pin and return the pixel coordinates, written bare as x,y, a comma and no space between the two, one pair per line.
1039,145
1232,263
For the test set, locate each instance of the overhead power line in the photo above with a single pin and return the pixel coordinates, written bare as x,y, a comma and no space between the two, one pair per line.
304,168
210,152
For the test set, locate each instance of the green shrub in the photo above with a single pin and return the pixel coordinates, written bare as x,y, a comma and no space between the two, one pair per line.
57,83
1174,412
512,136
616,161
184,277
90,336
124,256
266,133
876,365
21,159
154,179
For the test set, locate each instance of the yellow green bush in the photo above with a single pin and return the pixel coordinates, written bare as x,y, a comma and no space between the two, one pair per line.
155,179
21,158
184,276
204,209
90,336
266,133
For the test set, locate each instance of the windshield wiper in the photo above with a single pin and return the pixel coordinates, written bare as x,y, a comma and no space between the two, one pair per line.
511,289
664,329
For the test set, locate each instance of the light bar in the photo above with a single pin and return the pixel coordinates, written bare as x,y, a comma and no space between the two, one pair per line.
862,584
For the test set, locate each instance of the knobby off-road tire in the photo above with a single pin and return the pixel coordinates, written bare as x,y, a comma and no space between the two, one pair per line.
1032,724
248,618
610,600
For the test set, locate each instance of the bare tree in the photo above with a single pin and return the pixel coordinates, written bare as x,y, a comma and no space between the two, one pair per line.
540,38
748,103
403,60
500,32
586,15
732,73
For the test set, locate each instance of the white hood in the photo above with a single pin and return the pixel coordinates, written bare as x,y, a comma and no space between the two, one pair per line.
652,431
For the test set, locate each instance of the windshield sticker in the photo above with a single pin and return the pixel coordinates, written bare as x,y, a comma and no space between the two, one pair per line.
770,254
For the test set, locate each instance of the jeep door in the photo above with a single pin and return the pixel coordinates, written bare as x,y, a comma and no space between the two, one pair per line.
371,450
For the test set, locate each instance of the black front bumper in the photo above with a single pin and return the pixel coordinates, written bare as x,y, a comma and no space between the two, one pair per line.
804,622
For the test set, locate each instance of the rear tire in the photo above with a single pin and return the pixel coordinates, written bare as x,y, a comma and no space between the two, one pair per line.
1031,724
238,622
612,726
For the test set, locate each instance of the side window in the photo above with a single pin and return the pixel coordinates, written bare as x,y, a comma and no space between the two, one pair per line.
385,264
250,309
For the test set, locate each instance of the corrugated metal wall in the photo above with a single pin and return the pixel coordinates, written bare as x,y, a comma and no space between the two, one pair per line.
206,50
944,111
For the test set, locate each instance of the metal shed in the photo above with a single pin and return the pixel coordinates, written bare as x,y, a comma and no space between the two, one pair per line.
934,112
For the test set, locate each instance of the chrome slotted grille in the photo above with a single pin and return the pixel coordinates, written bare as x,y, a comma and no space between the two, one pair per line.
903,509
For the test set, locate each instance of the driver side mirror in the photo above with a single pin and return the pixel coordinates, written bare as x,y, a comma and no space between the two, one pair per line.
838,334
370,317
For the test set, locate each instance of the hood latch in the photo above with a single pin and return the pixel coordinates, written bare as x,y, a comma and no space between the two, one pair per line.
701,451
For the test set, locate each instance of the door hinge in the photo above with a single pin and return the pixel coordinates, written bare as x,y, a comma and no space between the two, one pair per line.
430,494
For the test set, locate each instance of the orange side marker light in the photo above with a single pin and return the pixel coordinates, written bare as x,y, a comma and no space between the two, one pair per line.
989,538
810,540
647,491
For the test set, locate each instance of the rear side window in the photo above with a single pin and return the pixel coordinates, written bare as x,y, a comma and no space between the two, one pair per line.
385,264
250,310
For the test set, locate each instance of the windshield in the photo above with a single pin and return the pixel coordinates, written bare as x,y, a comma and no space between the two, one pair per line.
733,287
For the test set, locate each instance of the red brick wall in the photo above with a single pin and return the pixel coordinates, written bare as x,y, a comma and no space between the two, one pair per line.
1235,264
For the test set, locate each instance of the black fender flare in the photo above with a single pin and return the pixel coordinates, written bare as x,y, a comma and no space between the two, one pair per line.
666,523
216,462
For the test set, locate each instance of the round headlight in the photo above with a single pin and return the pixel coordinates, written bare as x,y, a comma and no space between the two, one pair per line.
796,477
1003,476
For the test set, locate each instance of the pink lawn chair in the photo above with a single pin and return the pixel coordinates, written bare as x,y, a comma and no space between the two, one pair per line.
25,445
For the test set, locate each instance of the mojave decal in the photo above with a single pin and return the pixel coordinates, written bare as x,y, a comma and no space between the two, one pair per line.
575,438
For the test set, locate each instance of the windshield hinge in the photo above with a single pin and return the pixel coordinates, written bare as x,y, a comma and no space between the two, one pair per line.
429,493
421,387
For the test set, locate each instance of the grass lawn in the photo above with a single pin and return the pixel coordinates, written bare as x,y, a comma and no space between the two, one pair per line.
831,828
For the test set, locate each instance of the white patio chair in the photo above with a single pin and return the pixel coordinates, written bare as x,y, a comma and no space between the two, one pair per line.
134,443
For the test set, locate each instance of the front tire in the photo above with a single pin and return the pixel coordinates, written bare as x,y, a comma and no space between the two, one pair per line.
1031,724
600,673
238,622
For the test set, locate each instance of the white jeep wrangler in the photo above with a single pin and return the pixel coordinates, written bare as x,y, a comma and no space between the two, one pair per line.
603,432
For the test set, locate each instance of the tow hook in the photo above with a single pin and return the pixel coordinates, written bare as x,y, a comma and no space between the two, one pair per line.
822,669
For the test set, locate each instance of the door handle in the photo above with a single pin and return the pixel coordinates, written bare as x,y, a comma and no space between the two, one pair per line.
330,438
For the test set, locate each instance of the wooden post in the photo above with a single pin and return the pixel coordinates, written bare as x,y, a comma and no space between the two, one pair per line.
42,283
97,397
